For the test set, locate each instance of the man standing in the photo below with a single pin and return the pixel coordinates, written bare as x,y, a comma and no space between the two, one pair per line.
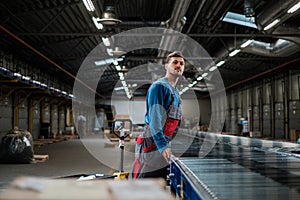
81,125
162,118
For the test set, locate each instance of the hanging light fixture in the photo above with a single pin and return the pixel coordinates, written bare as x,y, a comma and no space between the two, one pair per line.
109,17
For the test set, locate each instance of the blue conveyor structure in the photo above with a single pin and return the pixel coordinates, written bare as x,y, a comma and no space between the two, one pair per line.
237,172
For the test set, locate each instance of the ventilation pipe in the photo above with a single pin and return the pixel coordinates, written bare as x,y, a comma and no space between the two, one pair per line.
283,47
176,22
280,48
273,11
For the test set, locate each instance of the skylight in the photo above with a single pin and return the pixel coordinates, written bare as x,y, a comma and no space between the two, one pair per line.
240,19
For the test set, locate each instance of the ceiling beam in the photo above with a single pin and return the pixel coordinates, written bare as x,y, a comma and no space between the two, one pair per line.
143,35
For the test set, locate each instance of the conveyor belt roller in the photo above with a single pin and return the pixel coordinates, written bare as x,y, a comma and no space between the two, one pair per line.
234,172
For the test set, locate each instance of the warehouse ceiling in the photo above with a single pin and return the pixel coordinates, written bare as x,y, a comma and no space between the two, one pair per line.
58,35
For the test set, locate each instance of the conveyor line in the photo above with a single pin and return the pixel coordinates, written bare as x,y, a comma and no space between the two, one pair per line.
236,172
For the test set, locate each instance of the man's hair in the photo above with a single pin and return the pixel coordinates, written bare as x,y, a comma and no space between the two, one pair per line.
174,54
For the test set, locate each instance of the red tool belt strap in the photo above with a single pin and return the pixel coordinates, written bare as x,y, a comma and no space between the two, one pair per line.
170,126
173,118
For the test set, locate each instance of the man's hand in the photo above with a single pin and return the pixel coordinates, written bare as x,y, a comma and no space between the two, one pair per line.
167,154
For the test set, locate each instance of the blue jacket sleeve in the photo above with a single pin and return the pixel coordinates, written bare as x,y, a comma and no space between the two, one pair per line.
158,101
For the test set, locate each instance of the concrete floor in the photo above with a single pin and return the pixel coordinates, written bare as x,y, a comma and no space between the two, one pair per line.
71,157
95,154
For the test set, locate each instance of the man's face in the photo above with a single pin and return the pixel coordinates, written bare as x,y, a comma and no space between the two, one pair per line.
175,66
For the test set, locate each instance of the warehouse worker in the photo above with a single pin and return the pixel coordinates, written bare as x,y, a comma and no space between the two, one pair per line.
81,125
162,119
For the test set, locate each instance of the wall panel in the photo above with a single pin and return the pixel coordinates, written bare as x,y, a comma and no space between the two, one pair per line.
279,120
6,116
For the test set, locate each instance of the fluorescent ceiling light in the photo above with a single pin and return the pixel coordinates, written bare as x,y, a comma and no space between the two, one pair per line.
205,74
121,75
104,62
17,74
185,89
276,21
234,52
36,82
294,8
119,88
97,24
118,67
120,59
124,83
26,78
199,78
239,19
89,5
43,85
115,62
109,52
105,41
4,69
213,68
247,43
220,63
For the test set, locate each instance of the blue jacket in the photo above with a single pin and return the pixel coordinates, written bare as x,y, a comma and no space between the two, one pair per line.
159,98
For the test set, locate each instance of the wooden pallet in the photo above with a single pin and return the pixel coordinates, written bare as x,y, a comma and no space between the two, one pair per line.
41,158
49,141
67,137
38,143
42,142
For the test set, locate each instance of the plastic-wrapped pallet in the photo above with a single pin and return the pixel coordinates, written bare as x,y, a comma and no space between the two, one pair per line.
17,147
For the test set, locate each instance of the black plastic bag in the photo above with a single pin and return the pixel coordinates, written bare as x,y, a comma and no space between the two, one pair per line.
17,147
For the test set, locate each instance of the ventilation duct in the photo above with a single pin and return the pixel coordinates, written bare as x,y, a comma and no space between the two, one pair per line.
285,46
280,48
176,22
273,11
